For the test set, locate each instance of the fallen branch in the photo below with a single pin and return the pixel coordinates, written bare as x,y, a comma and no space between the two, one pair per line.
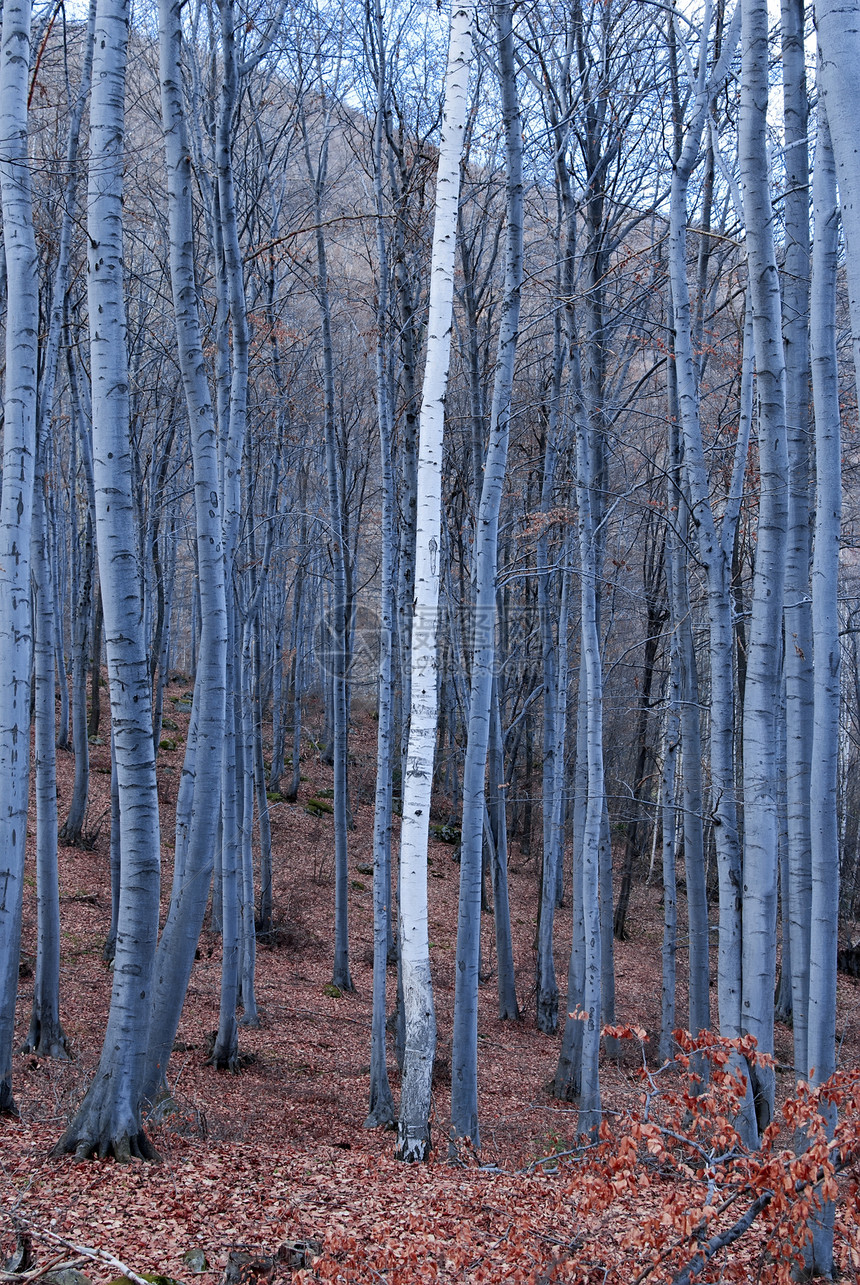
81,1251
35,1273
721,1239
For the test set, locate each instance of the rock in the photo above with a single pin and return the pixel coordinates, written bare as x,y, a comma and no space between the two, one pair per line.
299,1253
319,807
66,1276
196,1259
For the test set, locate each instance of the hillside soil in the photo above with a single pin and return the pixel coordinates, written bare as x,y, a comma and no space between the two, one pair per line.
277,1156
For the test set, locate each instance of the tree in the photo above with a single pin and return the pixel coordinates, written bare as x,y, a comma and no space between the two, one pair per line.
413,1131
196,818
16,505
464,1076
108,1121
820,1021
763,675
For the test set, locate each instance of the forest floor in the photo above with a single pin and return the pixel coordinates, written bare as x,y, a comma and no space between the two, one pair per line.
278,1152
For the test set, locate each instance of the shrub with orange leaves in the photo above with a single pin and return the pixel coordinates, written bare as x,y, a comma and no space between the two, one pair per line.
674,1170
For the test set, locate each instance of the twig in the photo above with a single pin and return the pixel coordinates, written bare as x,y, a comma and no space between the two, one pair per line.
82,1251
36,1272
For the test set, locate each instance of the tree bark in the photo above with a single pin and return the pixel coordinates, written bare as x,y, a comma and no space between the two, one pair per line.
764,651
464,1070
16,505
109,1118
413,1132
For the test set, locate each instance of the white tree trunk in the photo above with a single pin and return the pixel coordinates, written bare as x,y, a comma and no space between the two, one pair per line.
413,1134
197,827
837,25
764,651
824,910
109,1120
16,503
798,621
713,547
464,1057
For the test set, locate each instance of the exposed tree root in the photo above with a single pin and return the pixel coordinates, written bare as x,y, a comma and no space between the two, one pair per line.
8,1105
47,1039
105,1127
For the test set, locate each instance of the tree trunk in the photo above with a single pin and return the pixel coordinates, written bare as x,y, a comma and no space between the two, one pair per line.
464,1072
798,622
197,812
712,545
824,914
413,1134
109,1118
46,1037
16,504
764,652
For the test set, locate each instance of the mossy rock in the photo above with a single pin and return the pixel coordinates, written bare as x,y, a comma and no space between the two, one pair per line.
167,744
324,794
365,869
446,833
319,807
153,1277
275,796
66,1276
169,726
333,992
357,885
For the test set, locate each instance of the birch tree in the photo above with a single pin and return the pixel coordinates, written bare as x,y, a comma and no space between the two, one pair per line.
413,1132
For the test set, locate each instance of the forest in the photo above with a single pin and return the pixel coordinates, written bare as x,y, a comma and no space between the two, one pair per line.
428,633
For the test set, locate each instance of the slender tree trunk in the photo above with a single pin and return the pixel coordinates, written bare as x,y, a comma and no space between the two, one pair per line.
764,651
46,1037
509,1009
16,504
568,1076
197,813
337,624
381,1107
837,26
798,622
713,546
589,1094
464,1072
824,916
413,1135
668,817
